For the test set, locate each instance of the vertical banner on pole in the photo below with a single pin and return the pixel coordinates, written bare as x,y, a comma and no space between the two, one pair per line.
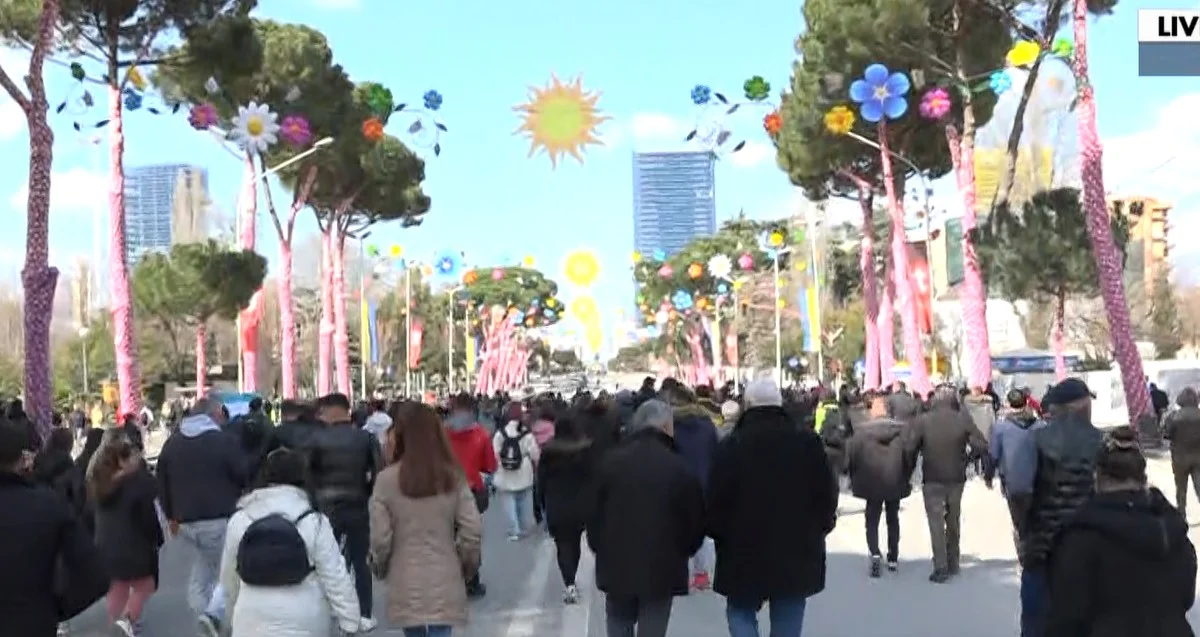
812,319
373,331
414,343
806,323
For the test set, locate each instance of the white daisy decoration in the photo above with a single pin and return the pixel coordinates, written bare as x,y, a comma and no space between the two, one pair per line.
719,266
256,128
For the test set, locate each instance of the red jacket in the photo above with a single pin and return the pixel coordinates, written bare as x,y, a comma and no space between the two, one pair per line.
473,448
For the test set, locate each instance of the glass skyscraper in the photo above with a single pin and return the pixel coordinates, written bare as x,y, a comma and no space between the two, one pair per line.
674,199
164,204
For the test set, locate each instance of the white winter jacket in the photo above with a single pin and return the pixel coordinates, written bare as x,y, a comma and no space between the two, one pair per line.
303,610
515,479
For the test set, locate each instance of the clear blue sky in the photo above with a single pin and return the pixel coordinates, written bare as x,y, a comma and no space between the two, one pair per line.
489,200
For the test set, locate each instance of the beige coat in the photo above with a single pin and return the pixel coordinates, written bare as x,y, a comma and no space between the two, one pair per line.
430,545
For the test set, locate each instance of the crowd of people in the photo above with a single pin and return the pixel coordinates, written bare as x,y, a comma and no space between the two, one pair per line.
674,489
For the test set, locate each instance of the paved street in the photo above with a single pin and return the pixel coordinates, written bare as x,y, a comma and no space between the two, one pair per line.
524,587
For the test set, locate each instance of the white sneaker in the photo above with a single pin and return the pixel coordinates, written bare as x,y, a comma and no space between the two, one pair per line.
514,538
571,595
63,630
126,627
367,624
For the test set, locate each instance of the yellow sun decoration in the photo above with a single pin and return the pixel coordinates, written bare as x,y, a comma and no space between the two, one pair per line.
561,119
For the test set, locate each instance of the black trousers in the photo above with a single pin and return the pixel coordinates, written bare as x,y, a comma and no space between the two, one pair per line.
568,544
1183,473
875,510
352,528
482,500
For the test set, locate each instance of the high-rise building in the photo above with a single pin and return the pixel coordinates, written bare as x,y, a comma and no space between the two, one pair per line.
164,205
1147,250
674,199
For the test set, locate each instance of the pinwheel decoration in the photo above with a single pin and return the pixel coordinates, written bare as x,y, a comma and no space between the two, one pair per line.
712,131
720,266
448,264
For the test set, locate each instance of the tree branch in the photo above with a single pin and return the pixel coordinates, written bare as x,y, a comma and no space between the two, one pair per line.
15,92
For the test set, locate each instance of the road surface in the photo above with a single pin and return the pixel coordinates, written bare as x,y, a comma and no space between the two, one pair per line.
524,597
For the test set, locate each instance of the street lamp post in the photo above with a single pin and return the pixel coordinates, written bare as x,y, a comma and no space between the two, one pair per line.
815,264
450,342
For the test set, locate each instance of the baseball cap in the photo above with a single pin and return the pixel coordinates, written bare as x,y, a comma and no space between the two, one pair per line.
1068,391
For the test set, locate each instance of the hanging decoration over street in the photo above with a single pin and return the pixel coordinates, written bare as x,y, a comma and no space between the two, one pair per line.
581,268
561,119
423,129
712,131
135,96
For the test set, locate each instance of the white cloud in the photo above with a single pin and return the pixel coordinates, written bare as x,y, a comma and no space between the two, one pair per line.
75,190
753,154
338,4
657,127
12,119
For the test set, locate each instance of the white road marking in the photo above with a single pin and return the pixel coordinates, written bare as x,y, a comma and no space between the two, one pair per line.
529,608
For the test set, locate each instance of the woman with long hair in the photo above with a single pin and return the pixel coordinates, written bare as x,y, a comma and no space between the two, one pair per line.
128,531
565,476
425,528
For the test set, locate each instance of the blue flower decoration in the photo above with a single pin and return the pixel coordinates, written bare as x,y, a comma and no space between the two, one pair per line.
433,100
999,82
770,253
133,100
681,300
548,313
722,289
660,255
518,317
701,95
881,93
448,264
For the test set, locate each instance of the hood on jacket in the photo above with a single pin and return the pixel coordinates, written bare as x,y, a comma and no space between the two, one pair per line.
193,426
565,448
691,416
1023,418
766,415
1142,521
290,501
49,465
880,430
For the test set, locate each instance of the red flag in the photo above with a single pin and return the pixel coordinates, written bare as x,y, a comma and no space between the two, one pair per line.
414,343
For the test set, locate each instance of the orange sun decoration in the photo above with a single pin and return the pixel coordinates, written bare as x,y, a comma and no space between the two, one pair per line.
561,119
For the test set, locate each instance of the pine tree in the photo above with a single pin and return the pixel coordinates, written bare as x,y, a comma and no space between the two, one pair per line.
1165,330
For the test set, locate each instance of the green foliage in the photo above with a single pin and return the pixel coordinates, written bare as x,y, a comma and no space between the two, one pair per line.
842,38
197,282
526,290
1042,253
1165,327
566,360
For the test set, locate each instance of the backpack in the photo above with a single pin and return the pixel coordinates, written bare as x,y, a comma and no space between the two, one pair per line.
511,455
272,553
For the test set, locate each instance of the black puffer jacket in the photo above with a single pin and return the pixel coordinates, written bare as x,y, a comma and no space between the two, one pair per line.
566,478
343,463
1122,567
880,467
58,471
1066,463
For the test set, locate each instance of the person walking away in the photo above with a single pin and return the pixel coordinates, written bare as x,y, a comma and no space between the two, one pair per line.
1067,449
201,474
566,475
979,406
1159,400
1014,458
902,404
55,468
128,531
378,422
298,424
942,436
696,441
647,522
1182,428
475,453
880,470
516,454
343,463
1123,565
542,427
425,530
282,574
768,553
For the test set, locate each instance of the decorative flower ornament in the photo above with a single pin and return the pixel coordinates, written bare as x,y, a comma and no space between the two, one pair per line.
660,255
775,239
701,95
211,86
636,257
1023,53
396,251
295,131
666,271
470,277
660,317
746,262
448,263
372,129
133,100
756,89
935,103
498,274
695,271
999,82
528,261
1063,48
372,251
839,120
380,100
137,79
432,99
203,116
682,300
773,123
881,93
582,268
256,128
720,266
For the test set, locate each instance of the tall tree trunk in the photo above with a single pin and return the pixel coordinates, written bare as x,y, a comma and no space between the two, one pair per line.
251,317
866,268
1108,259
129,382
38,278
341,334
325,336
886,326
913,351
1059,335
201,359
287,302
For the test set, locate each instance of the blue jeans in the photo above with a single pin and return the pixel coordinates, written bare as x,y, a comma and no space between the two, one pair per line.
436,630
787,617
207,538
1034,595
518,508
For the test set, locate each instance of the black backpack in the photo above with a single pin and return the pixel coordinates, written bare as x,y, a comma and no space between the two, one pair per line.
272,553
511,455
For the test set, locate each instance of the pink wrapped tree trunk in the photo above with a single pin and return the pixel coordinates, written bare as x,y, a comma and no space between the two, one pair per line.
886,322
201,359
1109,263
866,269
1059,336
129,382
913,351
325,336
974,296
38,279
249,318
287,302
341,333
